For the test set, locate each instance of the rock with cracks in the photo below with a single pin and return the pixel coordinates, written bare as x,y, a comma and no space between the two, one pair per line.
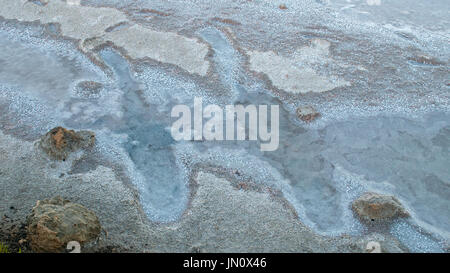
55,222
372,207
59,142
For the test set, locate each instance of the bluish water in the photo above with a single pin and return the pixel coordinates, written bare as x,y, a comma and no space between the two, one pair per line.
149,146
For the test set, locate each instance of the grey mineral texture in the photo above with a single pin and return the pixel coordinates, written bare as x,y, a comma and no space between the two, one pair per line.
373,206
59,142
55,222
88,89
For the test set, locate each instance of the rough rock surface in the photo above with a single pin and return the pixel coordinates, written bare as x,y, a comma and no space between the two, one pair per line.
307,113
55,222
373,206
59,142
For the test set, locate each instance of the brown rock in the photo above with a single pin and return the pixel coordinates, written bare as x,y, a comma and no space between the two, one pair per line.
372,206
55,222
59,142
307,113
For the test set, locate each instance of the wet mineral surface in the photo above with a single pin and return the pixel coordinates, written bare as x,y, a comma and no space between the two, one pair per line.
375,72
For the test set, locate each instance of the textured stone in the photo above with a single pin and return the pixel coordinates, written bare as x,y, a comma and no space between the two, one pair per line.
307,113
55,222
372,206
59,142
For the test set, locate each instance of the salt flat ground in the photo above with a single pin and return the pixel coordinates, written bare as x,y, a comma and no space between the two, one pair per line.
375,70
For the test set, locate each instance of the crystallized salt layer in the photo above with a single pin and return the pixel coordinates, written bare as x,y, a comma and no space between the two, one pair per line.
377,78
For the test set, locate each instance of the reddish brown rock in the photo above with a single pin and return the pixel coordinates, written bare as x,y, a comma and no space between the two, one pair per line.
373,206
307,113
59,142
